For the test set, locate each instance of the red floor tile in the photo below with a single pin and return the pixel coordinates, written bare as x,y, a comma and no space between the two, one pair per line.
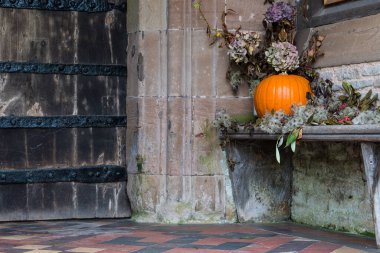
125,236
321,247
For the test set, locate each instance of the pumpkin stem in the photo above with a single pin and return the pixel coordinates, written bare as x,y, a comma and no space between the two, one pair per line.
283,73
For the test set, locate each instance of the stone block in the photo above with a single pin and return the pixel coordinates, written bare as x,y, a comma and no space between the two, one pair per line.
212,10
326,73
347,73
351,41
249,14
178,13
208,193
177,60
376,83
175,188
329,187
202,65
153,52
361,83
206,151
206,156
370,69
235,106
179,136
203,110
132,133
209,197
146,193
152,15
133,19
133,85
261,186
152,136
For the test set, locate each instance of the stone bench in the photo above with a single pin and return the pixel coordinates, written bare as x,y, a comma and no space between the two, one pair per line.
367,135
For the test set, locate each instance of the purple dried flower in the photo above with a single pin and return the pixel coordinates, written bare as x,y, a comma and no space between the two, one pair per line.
279,11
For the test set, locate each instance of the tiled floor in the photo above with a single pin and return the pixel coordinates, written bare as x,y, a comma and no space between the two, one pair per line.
112,236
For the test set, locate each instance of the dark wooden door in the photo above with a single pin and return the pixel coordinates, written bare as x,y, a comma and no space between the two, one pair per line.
62,107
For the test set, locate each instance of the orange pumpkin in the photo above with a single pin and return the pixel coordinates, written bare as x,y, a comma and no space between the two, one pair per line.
280,92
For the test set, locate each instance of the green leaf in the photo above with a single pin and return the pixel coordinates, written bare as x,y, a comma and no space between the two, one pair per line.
292,137
343,98
346,87
367,96
373,99
280,141
310,119
293,147
278,155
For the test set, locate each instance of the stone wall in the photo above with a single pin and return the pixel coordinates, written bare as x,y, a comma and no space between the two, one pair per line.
362,76
329,187
176,82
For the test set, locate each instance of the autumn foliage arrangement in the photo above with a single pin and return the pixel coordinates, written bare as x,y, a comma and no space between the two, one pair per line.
271,59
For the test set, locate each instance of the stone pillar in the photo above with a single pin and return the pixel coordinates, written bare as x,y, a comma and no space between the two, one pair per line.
176,82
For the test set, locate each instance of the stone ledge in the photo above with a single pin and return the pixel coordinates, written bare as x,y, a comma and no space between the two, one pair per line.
357,133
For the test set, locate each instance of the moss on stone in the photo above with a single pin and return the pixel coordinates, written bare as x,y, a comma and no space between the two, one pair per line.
242,119
367,233
207,161
183,206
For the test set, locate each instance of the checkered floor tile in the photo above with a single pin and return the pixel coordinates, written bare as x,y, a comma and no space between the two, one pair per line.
112,236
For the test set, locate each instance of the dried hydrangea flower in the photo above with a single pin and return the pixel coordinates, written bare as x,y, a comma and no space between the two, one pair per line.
283,56
243,46
222,120
272,123
367,117
279,11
